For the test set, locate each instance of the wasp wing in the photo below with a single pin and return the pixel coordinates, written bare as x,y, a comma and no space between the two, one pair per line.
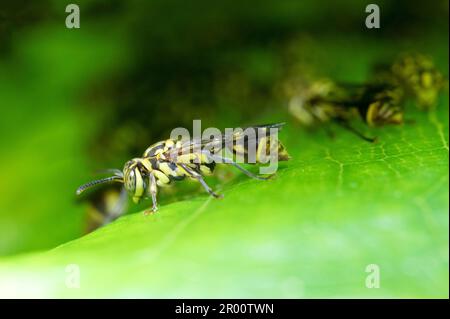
239,143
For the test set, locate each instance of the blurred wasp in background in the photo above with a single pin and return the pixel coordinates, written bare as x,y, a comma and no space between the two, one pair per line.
378,102
174,160
324,101
105,205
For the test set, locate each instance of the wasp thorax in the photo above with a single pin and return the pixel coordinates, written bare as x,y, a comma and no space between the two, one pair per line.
134,180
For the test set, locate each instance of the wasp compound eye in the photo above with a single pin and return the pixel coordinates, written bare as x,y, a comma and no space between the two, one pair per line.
130,181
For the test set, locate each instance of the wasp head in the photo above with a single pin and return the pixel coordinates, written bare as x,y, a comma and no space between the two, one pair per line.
134,179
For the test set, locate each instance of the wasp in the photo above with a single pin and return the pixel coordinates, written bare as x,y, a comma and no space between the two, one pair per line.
174,160
324,101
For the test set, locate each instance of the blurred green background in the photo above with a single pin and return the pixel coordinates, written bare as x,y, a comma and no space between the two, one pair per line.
74,101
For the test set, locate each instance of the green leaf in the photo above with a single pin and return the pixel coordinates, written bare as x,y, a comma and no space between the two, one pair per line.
338,206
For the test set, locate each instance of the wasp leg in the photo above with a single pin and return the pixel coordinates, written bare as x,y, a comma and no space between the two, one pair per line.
199,177
350,128
220,159
153,190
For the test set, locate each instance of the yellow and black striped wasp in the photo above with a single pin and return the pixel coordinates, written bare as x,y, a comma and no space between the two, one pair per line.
175,159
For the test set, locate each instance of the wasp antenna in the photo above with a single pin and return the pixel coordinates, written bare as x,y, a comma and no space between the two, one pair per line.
82,188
